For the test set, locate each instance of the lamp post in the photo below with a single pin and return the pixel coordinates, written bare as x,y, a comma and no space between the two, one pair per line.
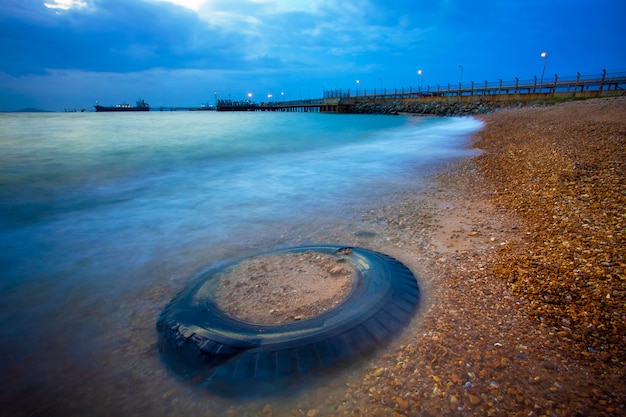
461,82
357,87
381,85
545,62
421,73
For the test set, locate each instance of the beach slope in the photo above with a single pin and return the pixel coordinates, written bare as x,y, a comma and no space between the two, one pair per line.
524,272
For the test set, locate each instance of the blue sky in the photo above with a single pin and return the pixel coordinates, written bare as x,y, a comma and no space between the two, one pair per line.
59,54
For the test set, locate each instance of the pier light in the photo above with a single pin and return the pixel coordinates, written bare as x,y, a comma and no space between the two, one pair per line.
421,74
461,82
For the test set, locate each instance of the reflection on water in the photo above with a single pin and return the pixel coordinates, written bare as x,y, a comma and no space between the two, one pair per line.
104,218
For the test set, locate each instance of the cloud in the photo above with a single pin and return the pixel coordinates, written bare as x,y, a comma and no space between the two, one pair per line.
66,4
112,35
130,36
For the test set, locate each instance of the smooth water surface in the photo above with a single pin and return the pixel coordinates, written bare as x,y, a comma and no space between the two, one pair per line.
104,217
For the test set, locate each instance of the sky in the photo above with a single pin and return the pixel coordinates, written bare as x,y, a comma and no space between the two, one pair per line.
57,54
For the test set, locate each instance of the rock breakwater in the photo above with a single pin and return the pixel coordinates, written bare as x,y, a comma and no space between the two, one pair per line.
434,108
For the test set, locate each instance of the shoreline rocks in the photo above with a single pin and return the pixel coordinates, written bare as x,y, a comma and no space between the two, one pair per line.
434,108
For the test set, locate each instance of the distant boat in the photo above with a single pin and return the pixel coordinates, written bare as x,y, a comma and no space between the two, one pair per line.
141,106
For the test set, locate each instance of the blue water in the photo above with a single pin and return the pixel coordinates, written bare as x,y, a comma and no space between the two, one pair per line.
104,217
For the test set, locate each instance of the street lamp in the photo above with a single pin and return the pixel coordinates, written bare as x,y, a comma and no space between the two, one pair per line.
543,55
461,82
357,87
421,73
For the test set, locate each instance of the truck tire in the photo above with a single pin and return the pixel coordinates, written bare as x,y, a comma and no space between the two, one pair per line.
200,342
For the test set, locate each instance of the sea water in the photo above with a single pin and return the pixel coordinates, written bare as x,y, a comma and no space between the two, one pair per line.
104,217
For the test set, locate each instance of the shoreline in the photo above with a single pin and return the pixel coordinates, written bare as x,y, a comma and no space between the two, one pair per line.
503,332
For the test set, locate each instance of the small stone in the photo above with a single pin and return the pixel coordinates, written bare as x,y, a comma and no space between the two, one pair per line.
267,411
474,400
313,413
336,270
402,403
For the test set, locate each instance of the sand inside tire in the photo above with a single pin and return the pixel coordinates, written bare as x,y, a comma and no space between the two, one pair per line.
276,289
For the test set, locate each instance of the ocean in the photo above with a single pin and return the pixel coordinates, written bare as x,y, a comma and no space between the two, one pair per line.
104,217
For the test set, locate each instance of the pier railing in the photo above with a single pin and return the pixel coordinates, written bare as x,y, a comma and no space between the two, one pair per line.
605,82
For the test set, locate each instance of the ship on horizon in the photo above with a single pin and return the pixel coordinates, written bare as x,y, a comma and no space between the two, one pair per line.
141,106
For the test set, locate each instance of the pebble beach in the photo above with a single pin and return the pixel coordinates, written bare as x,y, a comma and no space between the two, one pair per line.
520,252
526,250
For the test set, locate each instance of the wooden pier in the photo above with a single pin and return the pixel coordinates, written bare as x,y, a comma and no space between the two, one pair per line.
340,101
304,106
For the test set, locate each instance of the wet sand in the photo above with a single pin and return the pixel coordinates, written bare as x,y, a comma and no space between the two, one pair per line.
520,254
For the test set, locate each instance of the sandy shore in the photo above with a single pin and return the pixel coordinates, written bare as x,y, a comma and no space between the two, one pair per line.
523,251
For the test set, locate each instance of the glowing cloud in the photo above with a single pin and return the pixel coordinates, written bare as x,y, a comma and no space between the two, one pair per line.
194,5
66,4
